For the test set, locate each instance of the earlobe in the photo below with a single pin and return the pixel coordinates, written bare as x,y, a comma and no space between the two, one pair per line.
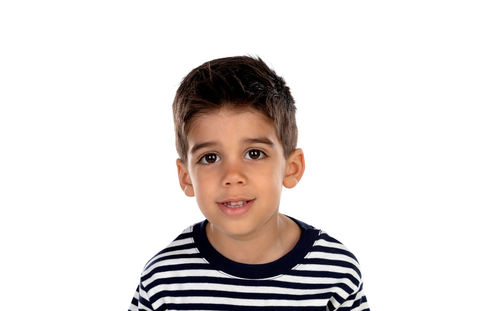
184,179
294,168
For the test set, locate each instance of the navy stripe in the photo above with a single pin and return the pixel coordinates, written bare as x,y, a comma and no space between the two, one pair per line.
331,250
240,282
134,301
239,295
329,262
327,274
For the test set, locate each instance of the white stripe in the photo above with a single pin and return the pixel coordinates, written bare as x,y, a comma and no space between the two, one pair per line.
330,256
334,269
326,268
321,242
188,230
184,273
142,307
185,241
243,302
193,250
315,280
213,273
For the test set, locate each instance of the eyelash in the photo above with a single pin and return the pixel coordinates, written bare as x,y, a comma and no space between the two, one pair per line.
203,161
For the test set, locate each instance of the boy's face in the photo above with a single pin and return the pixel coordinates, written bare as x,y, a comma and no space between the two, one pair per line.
236,168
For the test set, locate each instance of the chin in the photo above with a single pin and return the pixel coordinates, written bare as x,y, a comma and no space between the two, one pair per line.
234,227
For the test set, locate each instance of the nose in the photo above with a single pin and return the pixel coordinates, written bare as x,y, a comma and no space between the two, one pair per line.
234,174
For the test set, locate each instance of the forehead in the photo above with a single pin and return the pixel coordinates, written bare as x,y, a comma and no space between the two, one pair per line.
229,123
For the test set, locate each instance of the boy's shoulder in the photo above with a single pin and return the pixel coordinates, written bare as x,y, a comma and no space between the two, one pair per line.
326,244
183,247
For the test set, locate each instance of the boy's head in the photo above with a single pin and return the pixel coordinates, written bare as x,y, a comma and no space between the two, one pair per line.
234,82
236,138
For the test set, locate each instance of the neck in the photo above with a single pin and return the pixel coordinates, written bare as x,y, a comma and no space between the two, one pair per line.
268,243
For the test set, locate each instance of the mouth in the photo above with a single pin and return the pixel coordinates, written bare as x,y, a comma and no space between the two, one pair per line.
235,204
235,207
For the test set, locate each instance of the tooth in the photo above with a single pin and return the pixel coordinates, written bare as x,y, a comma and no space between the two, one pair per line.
235,204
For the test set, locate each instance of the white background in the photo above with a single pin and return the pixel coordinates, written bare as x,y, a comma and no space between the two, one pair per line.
398,114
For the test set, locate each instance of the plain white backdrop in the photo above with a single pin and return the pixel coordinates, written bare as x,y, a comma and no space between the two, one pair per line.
398,115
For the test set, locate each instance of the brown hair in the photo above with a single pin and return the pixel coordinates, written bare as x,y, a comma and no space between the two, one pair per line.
235,82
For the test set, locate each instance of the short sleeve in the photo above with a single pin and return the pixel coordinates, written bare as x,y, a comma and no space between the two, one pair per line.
355,302
140,302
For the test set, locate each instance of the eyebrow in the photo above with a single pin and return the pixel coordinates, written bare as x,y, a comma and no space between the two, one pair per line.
196,147
259,140
256,140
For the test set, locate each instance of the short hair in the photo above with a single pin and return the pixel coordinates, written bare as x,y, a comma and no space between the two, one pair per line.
235,82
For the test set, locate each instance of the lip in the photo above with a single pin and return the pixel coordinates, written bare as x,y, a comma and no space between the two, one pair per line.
235,211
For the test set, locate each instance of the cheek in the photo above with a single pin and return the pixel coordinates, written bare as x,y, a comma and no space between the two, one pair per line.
272,180
203,181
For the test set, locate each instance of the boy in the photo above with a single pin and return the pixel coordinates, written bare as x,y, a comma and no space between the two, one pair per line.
236,138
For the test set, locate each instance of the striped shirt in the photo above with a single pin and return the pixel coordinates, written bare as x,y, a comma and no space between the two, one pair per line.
319,273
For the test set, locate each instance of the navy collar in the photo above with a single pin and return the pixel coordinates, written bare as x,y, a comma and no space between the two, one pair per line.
258,271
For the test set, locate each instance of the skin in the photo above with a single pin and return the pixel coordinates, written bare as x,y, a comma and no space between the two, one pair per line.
232,166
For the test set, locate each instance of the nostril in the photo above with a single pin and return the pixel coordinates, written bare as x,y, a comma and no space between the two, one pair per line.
234,182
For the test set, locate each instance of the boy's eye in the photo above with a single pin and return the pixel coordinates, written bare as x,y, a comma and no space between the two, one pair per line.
255,154
209,158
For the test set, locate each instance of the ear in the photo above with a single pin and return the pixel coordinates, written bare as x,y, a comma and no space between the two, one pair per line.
295,167
184,179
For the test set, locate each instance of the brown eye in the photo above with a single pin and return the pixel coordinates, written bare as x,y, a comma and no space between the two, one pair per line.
254,154
209,158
